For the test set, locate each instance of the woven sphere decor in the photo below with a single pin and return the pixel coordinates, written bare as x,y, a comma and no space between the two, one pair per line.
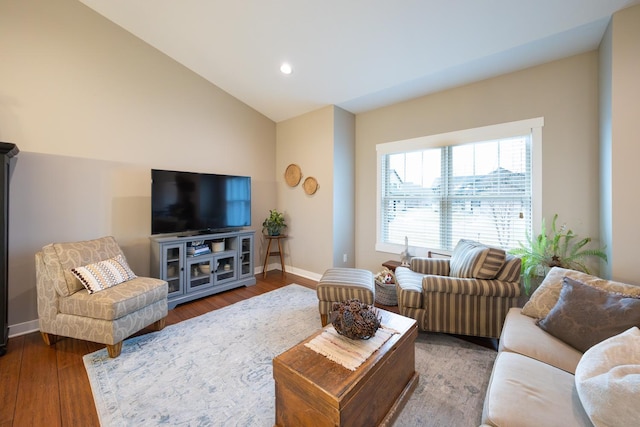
354,319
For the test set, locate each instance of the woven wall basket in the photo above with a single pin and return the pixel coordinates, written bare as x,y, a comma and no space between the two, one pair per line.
292,175
310,185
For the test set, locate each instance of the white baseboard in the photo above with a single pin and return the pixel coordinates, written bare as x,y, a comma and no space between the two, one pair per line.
23,328
293,270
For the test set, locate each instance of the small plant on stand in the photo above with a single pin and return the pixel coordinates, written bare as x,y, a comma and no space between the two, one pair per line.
274,223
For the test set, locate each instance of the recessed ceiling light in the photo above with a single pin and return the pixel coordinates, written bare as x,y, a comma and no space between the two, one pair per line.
285,68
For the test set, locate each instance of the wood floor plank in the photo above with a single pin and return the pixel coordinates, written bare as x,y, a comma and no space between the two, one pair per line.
77,407
9,379
38,401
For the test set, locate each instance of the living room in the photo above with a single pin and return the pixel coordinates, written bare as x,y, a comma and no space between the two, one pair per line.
93,109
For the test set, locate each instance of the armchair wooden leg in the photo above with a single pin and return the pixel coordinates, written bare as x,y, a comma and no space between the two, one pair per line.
114,349
49,339
159,325
324,319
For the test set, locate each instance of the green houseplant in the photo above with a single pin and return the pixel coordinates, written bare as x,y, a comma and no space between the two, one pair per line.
274,223
542,252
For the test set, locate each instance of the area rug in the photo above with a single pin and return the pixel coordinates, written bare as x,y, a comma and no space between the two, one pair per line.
216,369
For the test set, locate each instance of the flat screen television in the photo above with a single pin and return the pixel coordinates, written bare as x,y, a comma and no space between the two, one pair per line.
189,202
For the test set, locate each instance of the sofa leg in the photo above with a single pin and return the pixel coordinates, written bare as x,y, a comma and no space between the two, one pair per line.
324,318
159,325
49,339
114,349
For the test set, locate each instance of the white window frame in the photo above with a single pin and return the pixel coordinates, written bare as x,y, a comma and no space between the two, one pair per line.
493,132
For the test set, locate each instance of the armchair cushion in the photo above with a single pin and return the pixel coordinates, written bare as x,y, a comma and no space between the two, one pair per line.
117,301
474,260
102,275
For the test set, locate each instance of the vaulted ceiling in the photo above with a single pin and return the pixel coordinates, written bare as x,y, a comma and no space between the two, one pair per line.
358,54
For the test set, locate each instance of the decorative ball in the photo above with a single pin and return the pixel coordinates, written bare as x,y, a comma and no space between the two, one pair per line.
354,319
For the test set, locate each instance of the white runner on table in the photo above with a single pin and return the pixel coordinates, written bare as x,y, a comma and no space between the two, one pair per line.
348,352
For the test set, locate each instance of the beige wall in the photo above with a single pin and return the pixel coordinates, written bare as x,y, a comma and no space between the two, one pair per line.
92,109
620,68
564,92
308,142
321,226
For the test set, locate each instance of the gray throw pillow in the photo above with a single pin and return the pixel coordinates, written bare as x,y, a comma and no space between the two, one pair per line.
585,316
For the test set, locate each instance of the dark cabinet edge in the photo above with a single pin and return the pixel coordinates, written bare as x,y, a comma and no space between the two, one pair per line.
8,149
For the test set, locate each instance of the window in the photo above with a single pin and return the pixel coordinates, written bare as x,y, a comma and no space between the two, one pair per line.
476,184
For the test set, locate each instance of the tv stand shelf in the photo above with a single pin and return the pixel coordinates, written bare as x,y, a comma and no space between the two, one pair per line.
204,264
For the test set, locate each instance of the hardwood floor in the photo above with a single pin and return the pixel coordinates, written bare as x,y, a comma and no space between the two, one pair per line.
48,386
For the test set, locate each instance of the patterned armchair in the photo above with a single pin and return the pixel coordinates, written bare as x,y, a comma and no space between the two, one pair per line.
468,294
109,305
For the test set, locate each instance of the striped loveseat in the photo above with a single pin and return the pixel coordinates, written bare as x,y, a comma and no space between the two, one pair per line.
468,294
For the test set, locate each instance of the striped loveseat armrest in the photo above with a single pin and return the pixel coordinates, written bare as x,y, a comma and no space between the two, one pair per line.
409,292
439,266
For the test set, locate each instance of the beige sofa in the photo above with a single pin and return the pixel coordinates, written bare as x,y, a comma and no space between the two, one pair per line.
539,379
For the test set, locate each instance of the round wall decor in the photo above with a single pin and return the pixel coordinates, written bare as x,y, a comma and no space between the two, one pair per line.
310,185
292,175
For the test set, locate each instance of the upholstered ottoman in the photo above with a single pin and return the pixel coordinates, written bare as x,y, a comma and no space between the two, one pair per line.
341,284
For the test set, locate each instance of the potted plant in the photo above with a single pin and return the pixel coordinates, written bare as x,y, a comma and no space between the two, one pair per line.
543,252
274,223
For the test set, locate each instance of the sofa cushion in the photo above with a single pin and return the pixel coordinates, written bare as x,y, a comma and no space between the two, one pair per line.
102,275
521,335
585,316
438,266
474,260
608,380
545,297
117,301
525,392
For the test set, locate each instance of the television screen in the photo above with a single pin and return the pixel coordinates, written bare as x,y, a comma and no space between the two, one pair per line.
198,202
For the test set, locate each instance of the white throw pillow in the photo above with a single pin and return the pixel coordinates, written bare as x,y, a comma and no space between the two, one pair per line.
608,380
102,275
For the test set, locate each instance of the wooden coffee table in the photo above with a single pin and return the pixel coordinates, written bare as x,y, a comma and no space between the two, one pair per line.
311,390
